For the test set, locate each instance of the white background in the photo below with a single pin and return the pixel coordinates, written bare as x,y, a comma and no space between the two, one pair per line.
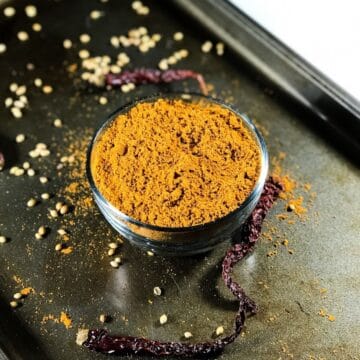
325,33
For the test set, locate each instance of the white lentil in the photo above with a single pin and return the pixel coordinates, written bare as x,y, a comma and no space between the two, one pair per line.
13,87
103,100
114,264
20,138
219,330
206,46
9,11
220,49
45,196
42,230
96,14
43,179
84,54
58,205
111,252
163,319
113,245
57,123
150,253
118,260
3,240
145,10
184,53
61,232
178,36
47,89
26,165
67,43
64,209
13,170
30,66
188,335
114,41
36,27
163,64
38,82
156,37
23,36
19,172
172,60
41,146
58,247
21,90
17,296
157,291
53,213
14,304
38,236
8,102
2,48
19,104
16,112
31,172
31,11
84,38
44,152
102,318
31,203
136,5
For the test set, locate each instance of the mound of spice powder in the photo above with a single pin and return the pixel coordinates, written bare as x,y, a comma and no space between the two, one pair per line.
176,163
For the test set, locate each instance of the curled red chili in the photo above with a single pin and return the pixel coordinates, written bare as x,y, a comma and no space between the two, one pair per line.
100,340
154,76
2,160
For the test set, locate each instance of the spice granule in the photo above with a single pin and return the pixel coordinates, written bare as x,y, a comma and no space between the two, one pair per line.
175,163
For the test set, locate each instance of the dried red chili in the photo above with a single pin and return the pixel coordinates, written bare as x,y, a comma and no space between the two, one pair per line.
100,340
2,160
155,76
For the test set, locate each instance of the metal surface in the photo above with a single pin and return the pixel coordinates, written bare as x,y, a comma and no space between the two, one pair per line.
291,73
286,287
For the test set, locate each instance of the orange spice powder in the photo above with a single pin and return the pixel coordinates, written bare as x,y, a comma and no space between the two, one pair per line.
175,163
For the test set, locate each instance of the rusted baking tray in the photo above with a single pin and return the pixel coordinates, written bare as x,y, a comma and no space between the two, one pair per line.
296,290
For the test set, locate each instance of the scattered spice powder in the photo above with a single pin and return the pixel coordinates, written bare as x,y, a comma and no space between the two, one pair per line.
175,163
26,291
65,319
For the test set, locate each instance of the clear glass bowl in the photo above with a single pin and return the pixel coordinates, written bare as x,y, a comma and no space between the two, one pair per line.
179,241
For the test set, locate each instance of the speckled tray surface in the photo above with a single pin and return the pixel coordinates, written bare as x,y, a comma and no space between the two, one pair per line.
290,289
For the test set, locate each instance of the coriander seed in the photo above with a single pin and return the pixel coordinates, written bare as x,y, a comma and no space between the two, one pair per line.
157,291
163,319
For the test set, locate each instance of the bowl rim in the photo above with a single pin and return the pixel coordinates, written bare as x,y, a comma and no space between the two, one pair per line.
183,96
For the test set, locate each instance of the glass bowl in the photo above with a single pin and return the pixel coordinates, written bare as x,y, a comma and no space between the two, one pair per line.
179,241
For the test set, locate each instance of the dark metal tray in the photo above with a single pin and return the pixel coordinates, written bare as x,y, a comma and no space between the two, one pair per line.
82,284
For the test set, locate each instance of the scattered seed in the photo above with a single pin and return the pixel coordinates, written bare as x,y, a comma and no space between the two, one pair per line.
31,11
13,87
118,260
47,89
38,82
61,232
96,14
58,247
206,46
103,318
84,54
2,48
45,196
219,330
3,239
21,90
23,36
14,304
38,236
20,138
103,100
85,38
188,335
42,230
114,264
163,64
157,291
30,172
67,43
57,123
31,203
136,5
26,165
19,172
220,49
36,27
43,179
163,319
8,102
111,252
113,245
58,205
53,213
178,36
17,296
9,11
150,253
16,112
64,209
